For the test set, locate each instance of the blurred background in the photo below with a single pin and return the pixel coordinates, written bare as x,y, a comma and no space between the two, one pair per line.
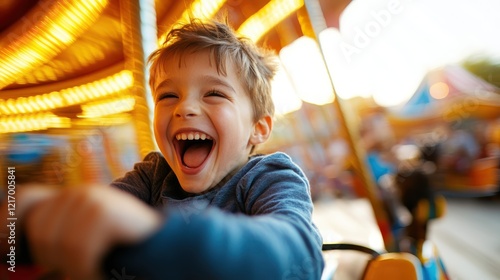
382,103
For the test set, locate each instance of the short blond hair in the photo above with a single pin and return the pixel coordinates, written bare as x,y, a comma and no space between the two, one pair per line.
257,66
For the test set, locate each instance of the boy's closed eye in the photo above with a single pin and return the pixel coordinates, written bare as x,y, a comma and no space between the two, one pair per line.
165,95
215,93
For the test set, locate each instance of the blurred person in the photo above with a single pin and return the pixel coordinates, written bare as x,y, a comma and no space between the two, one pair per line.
206,206
337,153
383,166
414,185
459,150
377,140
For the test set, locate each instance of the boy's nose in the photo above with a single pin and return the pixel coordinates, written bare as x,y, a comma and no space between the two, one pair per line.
187,108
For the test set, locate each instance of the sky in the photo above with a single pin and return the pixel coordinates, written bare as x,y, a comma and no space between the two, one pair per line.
384,48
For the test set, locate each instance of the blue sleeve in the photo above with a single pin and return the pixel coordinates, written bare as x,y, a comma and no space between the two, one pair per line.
276,241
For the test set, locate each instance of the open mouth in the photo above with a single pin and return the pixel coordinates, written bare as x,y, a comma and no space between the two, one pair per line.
193,148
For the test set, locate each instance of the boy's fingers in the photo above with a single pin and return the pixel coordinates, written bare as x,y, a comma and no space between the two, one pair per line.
44,226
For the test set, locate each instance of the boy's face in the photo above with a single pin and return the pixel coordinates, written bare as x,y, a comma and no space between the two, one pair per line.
203,121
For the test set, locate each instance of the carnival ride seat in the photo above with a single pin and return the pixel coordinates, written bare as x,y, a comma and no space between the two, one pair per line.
395,265
382,265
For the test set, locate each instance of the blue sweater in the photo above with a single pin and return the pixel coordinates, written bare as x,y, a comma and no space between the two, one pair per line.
255,224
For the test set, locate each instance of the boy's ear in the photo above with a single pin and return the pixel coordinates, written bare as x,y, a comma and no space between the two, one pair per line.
261,130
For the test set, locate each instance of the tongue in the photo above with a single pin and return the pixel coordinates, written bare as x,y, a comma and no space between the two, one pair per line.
196,154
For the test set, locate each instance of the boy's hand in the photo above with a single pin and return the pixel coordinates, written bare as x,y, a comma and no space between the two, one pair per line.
71,230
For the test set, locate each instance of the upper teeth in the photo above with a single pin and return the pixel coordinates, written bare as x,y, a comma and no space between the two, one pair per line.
192,136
